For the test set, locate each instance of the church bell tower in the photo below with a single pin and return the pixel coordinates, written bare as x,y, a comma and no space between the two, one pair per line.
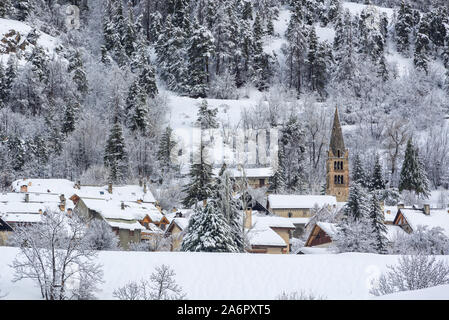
337,164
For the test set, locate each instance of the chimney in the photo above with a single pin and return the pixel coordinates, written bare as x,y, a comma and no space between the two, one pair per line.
426,209
110,187
144,187
401,205
248,218
27,197
122,205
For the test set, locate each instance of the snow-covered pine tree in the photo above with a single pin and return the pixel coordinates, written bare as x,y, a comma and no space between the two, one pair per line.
296,49
377,181
171,51
206,117
293,146
334,10
147,81
200,185
356,209
70,117
23,8
3,91
166,146
376,218
115,155
259,59
422,46
208,231
277,180
201,46
413,176
229,207
358,173
403,28
130,36
76,67
5,8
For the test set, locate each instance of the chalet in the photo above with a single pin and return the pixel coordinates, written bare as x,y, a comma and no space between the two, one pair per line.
176,231
409,218
123,220
268,234
298,206
256,177
324,233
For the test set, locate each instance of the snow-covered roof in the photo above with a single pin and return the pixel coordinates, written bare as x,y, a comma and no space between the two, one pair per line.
67,187
283,201
330,228
22,217
182,223
249,172
437,218
260,221
28,207
262,234
125,225
110,209
265,237
393,231
296,221
389,217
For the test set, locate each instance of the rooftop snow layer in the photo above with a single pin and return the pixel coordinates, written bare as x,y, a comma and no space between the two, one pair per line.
278,201
437,218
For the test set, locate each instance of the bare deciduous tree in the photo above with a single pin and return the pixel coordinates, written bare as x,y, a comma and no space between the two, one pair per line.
162,286
57,256
412,273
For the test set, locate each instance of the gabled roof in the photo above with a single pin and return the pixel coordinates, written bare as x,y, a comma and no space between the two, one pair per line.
280,201
336,141
67,187
262,233
249,172
416,217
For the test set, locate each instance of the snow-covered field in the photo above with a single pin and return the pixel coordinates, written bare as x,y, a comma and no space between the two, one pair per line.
218,276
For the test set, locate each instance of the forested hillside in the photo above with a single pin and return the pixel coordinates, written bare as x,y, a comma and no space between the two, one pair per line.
110,100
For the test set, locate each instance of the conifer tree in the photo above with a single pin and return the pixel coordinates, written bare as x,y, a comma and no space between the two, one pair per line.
79,74
421,58
147,81
277,181
199,53
334,10
115,155
5,8
377,181
403,28
70,117
358,173
376,218
260,61
3,91
357,206
206,117
166,146
23,9
200,186
413,176
208,231
229,207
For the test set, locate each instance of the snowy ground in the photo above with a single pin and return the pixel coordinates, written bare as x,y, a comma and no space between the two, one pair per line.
233,276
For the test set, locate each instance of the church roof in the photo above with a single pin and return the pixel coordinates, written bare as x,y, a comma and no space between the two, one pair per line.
337,142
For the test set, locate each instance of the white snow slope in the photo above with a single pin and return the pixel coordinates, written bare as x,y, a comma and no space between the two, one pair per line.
217,276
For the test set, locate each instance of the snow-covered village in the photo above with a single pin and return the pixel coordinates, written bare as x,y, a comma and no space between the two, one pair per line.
224,150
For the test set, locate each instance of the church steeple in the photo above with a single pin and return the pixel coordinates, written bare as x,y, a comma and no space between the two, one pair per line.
337,164
337,144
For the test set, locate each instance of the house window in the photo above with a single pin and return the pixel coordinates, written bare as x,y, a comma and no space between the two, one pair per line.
131,233
290,214
261,182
